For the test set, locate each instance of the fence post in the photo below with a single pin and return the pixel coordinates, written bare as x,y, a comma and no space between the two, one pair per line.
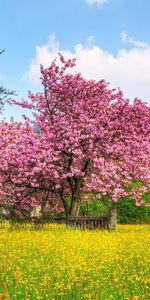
113,218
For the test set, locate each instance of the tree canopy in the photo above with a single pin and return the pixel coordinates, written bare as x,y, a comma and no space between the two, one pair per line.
89,140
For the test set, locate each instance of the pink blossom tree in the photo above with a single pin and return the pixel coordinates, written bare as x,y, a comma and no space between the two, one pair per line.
89,139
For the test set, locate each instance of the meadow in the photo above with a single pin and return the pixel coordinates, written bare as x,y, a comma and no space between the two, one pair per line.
66,264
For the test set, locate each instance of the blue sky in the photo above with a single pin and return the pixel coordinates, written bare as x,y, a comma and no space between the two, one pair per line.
109,38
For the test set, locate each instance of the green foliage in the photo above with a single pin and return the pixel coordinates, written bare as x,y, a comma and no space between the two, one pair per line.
95,208
127,211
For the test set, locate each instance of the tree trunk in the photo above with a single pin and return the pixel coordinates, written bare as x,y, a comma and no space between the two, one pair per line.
74,208
113,218
75,199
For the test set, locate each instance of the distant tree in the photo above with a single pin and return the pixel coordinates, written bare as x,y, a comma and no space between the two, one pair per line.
2,51
5,94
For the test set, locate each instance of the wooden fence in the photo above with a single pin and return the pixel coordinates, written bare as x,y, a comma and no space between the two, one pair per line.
91,223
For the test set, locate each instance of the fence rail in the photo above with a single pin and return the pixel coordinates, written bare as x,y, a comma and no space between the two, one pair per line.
91,223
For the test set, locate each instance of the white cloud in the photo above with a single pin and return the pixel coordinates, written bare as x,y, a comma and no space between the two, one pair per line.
129,69
96,2
125,38
44,55
90,40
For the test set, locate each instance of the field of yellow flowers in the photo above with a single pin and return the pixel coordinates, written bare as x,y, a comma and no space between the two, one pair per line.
66,264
